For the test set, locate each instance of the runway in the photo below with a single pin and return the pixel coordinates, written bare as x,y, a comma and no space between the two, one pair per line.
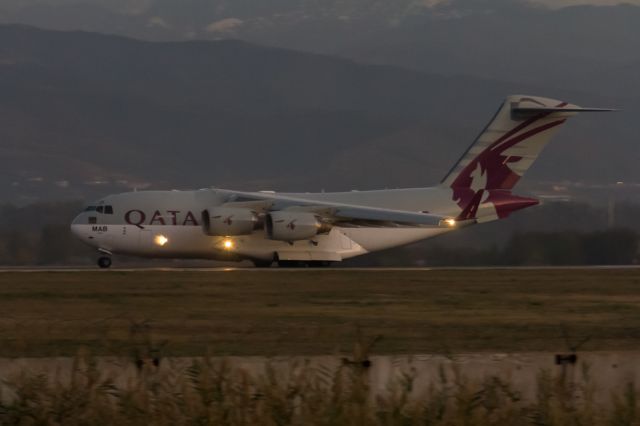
303,269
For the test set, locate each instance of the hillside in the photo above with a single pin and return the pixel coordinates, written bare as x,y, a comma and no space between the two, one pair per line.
84,114
571,44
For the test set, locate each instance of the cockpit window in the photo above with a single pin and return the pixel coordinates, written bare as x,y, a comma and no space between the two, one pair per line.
100,209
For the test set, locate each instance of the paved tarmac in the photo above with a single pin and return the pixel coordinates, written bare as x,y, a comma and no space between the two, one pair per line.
302,269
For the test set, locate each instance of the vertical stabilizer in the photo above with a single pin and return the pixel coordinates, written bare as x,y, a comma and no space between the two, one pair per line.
506,148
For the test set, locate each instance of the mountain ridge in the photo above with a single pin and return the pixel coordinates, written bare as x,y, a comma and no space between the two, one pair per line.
92,109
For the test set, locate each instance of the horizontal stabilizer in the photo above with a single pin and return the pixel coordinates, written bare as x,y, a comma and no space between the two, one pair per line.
520,112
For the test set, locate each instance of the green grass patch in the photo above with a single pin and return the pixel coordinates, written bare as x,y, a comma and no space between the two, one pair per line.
317,312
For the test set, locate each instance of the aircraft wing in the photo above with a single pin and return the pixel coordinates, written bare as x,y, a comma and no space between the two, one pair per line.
337,213
370,216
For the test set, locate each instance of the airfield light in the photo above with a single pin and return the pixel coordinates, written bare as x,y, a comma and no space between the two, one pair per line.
160,240
227,244
450,222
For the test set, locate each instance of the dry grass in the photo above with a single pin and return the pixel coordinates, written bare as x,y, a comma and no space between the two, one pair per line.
316,312
214,393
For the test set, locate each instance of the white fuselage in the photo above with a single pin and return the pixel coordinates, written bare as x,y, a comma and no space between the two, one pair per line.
221,224
168,224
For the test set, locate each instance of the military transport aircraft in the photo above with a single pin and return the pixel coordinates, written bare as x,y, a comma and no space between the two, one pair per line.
315,229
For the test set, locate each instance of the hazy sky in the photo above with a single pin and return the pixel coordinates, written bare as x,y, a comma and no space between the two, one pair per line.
136,5
562,3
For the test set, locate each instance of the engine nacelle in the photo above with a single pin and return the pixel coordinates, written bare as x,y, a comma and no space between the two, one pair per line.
228,221
293,226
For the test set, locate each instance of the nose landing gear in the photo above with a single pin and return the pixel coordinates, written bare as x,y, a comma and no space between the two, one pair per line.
104,262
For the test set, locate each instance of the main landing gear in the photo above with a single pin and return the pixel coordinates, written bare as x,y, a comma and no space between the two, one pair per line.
303,264
104,262
262,263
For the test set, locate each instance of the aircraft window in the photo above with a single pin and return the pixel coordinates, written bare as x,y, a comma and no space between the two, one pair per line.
108,209
90,209
92,220
99,209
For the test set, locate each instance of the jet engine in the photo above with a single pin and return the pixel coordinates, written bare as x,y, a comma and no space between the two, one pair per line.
293,226
228,221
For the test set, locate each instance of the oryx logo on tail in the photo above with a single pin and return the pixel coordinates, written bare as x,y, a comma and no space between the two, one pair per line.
503,152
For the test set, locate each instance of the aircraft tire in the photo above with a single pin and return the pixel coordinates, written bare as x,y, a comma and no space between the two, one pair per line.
319,263
262,263
291,264
104,262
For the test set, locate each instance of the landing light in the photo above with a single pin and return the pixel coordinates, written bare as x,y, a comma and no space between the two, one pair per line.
160,240
227,244
450,222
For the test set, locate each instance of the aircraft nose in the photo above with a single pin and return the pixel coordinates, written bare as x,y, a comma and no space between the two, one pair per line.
76,228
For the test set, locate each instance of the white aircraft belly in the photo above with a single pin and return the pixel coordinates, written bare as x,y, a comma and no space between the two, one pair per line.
372,239
189,241
333,246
